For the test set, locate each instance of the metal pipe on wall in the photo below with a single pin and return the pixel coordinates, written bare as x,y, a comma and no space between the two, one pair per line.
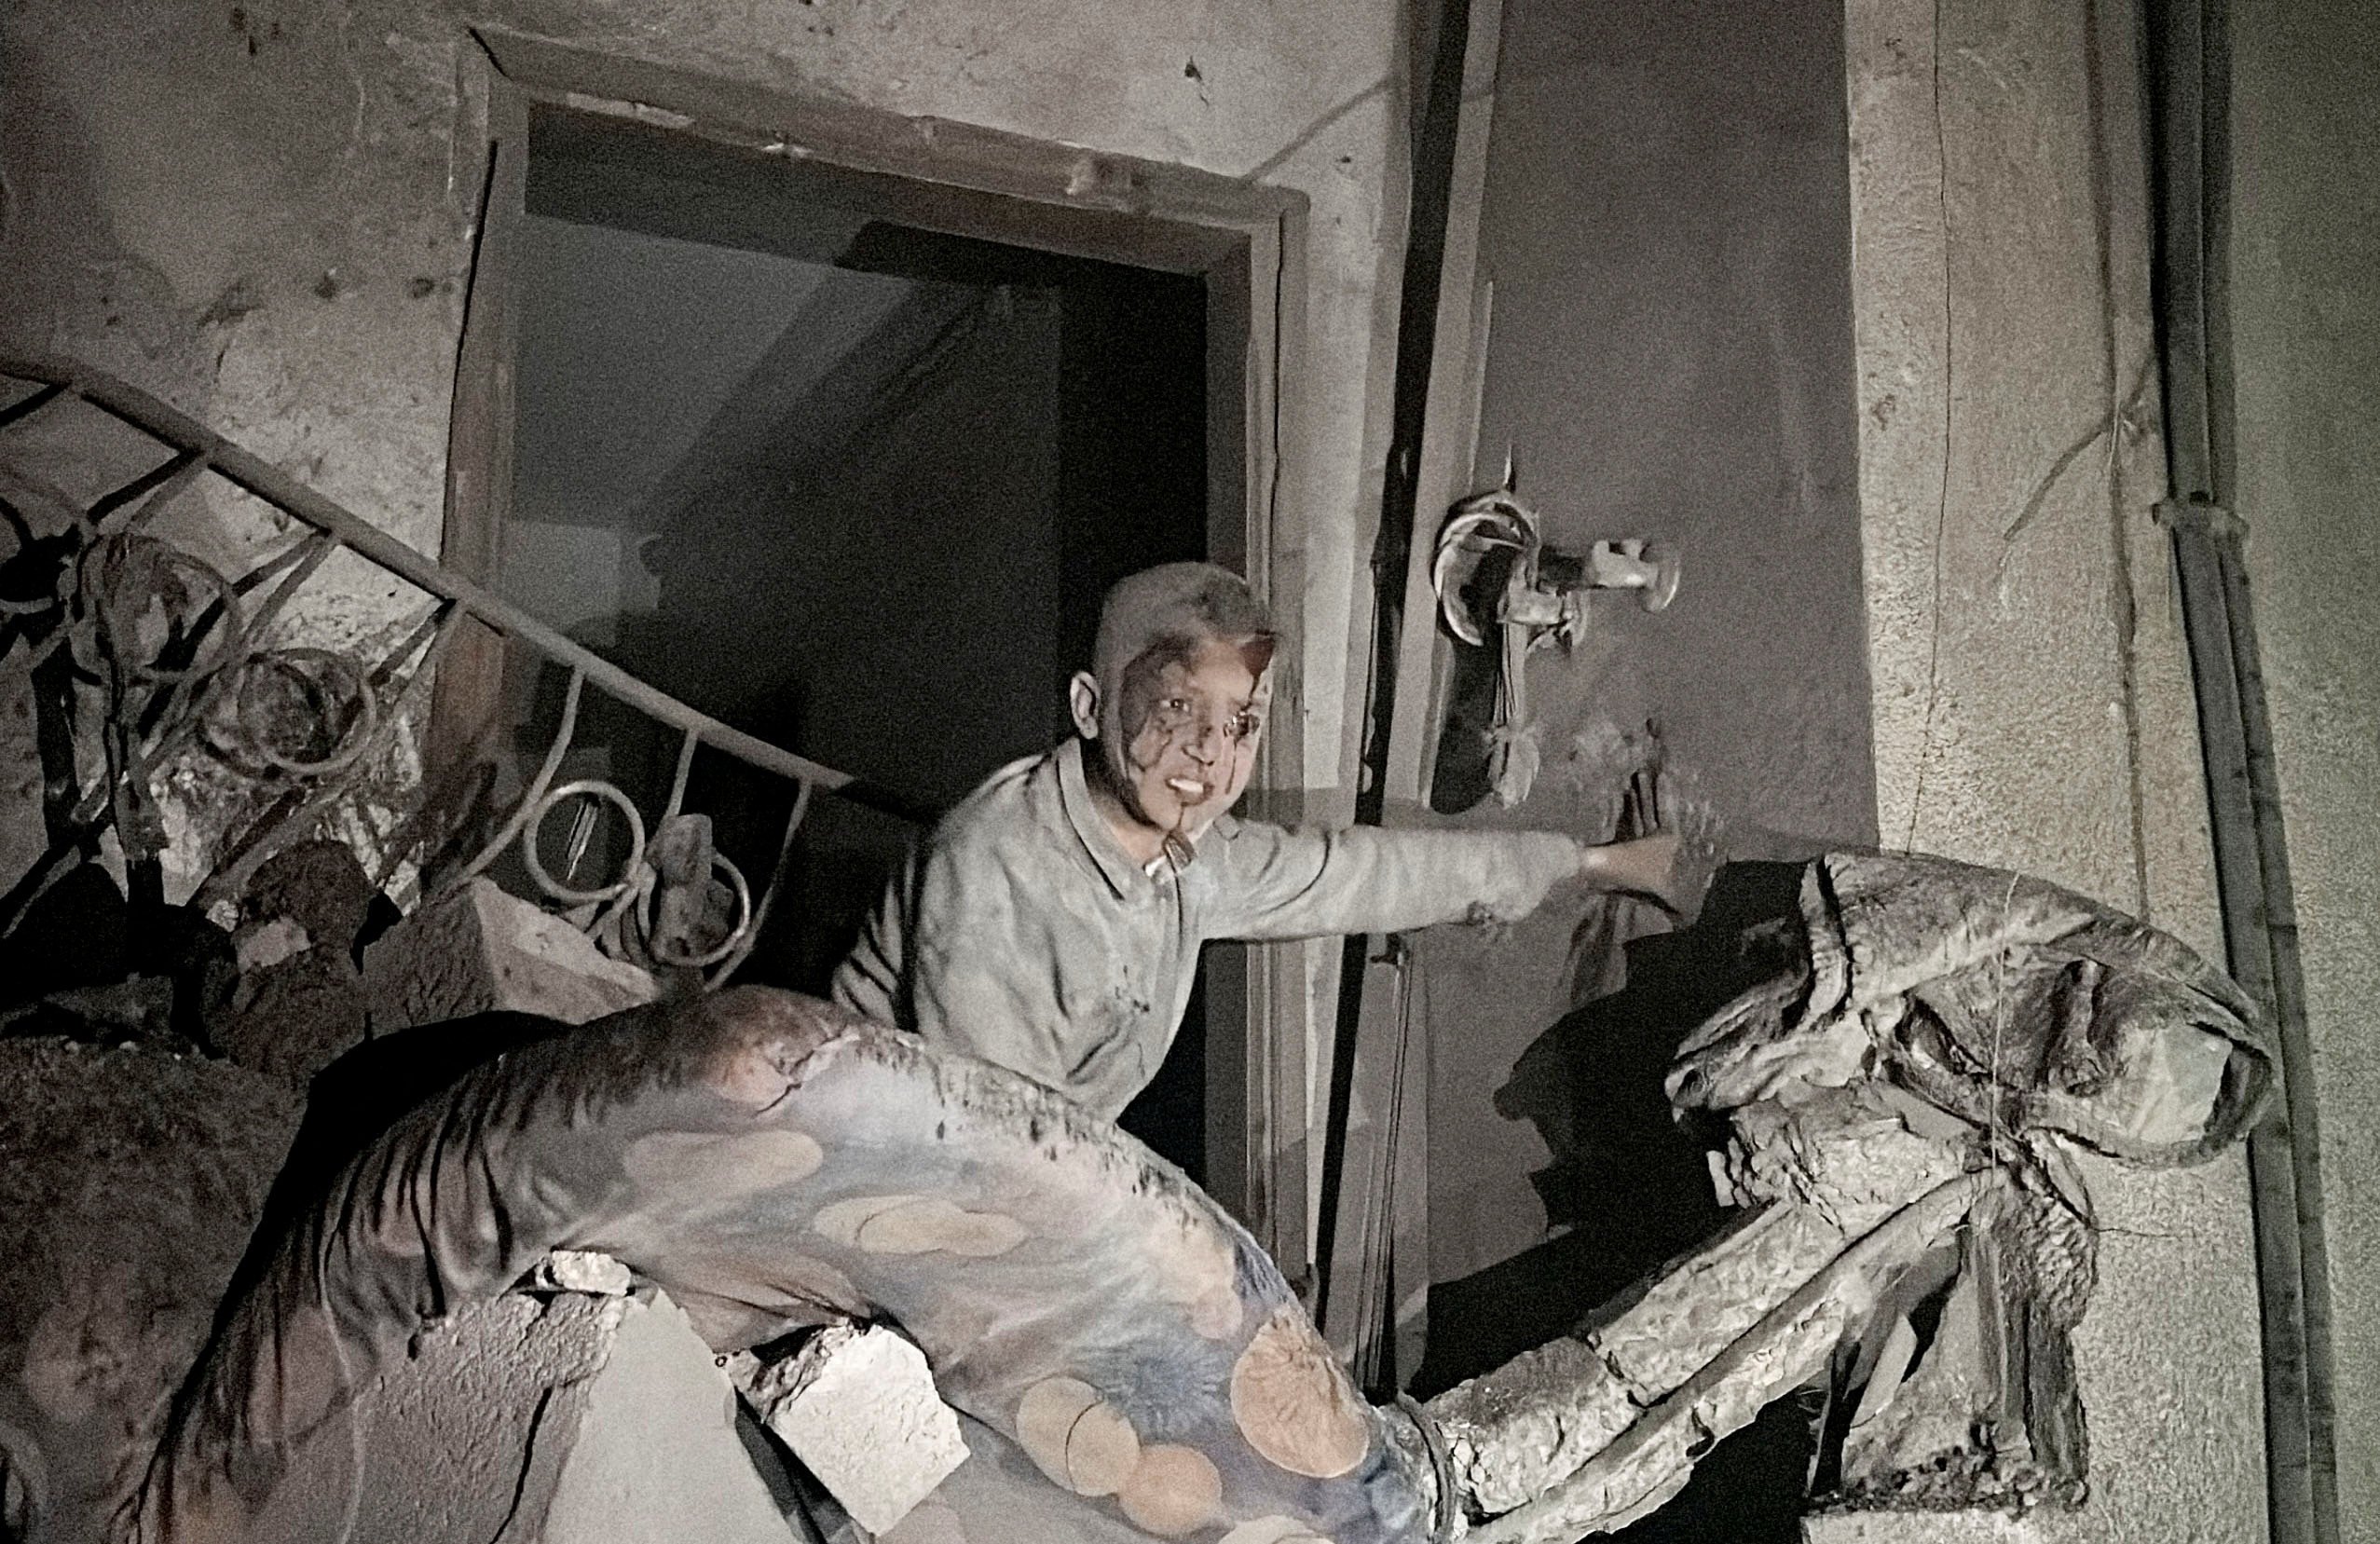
2188,81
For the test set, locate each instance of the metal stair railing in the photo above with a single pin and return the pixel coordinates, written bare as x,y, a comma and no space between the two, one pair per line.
83,600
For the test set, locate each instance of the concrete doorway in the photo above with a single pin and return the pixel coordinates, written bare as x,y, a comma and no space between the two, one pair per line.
845,456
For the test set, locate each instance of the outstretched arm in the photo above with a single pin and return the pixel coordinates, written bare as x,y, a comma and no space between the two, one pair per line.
1672,867
1304,884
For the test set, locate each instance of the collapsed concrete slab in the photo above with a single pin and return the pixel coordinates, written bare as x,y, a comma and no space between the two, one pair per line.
479,949
654,1457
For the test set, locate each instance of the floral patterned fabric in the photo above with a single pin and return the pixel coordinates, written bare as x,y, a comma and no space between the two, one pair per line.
1132,1365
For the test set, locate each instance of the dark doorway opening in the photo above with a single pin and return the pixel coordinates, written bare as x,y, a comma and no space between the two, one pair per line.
851,484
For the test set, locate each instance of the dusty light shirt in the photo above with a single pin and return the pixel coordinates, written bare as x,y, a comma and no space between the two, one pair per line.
1025,934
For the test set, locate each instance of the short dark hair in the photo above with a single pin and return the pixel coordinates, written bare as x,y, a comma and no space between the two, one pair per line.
1176,601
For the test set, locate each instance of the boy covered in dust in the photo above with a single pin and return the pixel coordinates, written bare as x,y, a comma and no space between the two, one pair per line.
1051,923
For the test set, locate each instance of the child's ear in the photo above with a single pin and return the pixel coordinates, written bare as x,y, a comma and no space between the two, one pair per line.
1082,703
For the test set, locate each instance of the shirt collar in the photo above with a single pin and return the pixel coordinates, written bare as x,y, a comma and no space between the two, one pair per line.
1091,829
1098,837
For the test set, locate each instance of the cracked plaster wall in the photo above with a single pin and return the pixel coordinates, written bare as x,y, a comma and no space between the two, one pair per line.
2305,333
2032,702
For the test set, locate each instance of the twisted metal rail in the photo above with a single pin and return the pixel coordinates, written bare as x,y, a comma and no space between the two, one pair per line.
95,590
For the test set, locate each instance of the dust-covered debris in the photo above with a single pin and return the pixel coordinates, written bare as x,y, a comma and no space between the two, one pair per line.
477,949
130,1182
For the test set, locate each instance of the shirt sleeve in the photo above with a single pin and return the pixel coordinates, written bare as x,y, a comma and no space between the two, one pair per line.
1282,884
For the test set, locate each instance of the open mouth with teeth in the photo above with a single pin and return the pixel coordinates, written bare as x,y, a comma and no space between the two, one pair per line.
1189,789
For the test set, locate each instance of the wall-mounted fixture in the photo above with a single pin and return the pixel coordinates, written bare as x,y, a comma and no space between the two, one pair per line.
1492,568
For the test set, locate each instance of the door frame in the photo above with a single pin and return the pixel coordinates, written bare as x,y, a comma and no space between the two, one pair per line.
1247,241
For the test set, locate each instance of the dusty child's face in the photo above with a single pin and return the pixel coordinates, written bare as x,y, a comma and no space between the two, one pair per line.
1179,729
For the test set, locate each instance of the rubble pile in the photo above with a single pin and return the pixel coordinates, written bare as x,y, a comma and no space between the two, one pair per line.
188,961
130,1178
154,1068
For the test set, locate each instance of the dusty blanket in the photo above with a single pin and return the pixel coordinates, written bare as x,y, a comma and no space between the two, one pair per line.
769,1160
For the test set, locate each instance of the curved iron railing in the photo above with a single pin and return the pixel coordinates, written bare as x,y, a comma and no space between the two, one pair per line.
178,651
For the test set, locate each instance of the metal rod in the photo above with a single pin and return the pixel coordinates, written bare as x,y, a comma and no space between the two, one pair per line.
153,490
536,790
295,811
768,896
2278,916
2187,76
684,774
26,406
617,906
181,727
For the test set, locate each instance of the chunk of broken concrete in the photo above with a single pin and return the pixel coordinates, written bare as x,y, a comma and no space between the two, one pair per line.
478,949
859,1407
589,1271
318,886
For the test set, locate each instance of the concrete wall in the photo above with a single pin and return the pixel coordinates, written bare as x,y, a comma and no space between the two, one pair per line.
1667,228
2305,329
2031,691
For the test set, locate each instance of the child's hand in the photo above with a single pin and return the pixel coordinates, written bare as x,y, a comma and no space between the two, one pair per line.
1701,835
1674,866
